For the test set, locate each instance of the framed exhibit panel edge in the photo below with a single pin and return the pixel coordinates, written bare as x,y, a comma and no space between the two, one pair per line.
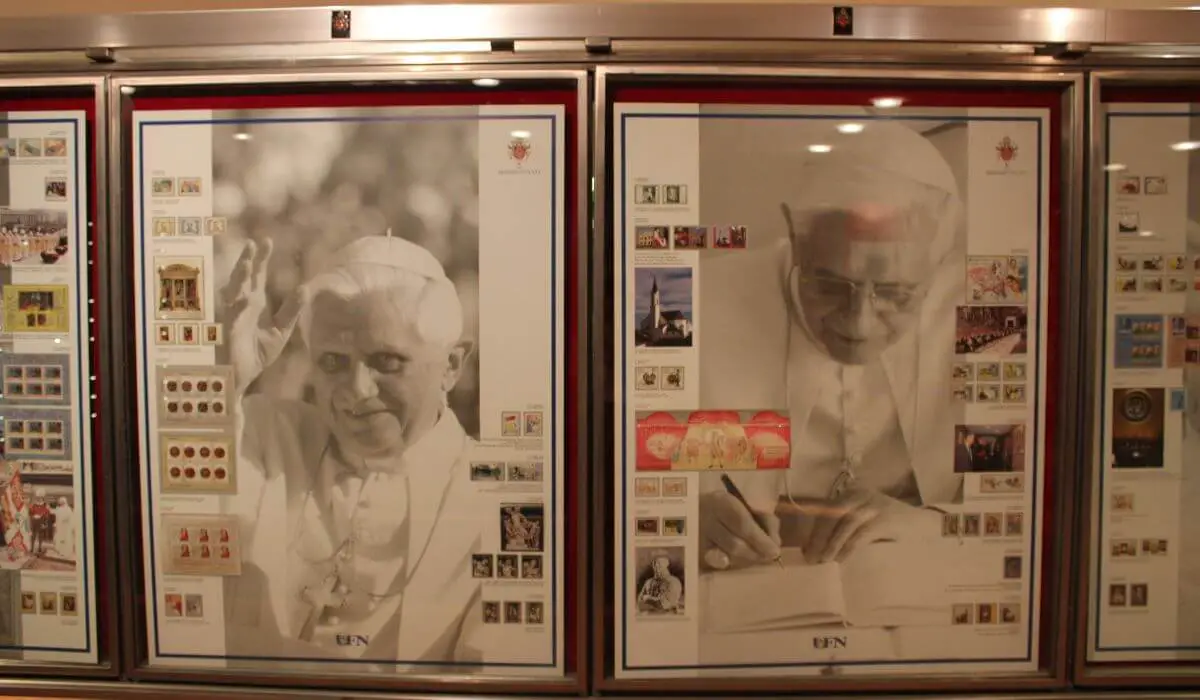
58,566
740,330
357,314
1138,618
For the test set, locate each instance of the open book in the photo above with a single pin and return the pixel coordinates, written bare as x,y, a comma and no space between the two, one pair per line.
883,584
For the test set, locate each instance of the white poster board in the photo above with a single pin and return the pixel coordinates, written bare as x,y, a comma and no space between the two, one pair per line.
47,507
1145,573
830,372
352,449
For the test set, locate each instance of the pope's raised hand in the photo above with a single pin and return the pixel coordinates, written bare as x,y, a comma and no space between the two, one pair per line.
255,336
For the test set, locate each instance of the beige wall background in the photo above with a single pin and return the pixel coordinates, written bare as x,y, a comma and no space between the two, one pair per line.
42,8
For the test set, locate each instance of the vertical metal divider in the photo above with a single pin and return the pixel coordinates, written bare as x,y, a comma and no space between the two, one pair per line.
584,332
110,464
117,310
601,356
1074,272
1092,337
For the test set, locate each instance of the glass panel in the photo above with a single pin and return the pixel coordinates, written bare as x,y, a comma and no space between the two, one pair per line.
48,557
1145,567
833,314
352,379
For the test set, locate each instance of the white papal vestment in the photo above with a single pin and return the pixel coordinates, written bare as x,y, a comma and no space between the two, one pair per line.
297,500
891,419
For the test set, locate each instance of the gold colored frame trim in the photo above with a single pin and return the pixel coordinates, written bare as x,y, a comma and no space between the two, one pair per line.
1057,574
573,682
103,461
1086,673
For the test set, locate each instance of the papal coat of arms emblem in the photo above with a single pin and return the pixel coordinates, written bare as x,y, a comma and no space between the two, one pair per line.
519,149
1006,150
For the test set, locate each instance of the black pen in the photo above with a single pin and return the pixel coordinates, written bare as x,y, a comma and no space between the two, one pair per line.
733,491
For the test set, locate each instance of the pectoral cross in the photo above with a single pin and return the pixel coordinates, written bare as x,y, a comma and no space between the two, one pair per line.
844,478
329,594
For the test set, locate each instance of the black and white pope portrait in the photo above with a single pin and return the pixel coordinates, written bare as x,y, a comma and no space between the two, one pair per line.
347,286
857,261
659,583
839,313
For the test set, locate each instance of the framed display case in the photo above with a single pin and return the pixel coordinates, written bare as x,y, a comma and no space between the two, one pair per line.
1140,579
355,334
805,413
841,311
57,562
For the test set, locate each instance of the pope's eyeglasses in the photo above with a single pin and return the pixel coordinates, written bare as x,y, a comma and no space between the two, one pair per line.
886,297
381,362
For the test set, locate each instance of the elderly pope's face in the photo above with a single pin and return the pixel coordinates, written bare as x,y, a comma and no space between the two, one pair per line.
861,284
382,384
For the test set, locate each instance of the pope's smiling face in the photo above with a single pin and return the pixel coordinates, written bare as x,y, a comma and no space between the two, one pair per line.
381,382
861,282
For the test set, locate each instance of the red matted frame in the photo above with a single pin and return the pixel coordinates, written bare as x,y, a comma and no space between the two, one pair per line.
86,95
391,87
1061,95
1114,88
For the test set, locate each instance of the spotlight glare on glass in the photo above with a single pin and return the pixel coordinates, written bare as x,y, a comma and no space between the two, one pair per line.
486,82
1115,167
850,128
1185,146
242,136
1145,234
820,148
887,102
520,134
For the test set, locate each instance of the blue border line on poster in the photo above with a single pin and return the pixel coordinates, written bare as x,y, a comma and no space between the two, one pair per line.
1103,396
554,229
624,322
81,223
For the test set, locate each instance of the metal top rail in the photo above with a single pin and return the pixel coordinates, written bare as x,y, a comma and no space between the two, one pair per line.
683,22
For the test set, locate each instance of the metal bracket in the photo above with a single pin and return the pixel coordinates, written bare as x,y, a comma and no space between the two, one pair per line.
101,54
598,45
1064,51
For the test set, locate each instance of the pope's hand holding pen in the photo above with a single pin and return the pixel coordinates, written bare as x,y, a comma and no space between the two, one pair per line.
732,536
